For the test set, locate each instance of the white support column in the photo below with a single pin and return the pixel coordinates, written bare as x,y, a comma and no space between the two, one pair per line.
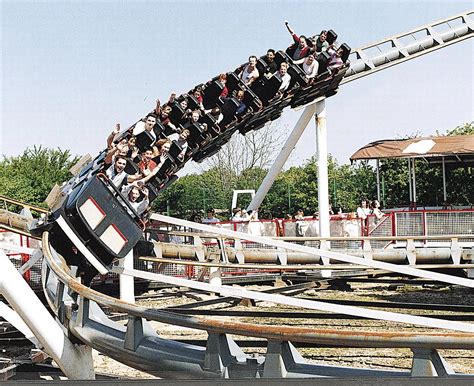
75,361
414,183
445,195
127,284
323,179
378,179
410,190
322,158
282,157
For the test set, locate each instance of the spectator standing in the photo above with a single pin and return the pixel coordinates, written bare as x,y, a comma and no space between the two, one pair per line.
376,211
244,215
236,214
363,212
210,219
299,217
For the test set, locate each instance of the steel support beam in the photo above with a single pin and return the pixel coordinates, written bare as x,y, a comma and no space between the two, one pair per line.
280,160
322,157
127,284
75,361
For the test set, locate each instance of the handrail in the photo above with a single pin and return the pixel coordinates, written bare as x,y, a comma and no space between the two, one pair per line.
23,204
375,238
332,238
18,231
279,267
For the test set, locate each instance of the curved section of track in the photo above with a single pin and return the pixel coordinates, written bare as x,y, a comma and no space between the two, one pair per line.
139,346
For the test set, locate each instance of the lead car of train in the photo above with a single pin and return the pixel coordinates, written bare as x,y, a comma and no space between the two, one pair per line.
91,223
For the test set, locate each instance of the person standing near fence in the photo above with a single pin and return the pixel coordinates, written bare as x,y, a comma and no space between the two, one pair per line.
376,211
363,212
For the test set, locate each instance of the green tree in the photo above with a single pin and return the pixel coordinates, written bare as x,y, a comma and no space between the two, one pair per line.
30,176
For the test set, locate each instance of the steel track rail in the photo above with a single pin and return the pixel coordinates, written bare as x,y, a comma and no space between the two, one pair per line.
409,45
276,333
363,303
301,315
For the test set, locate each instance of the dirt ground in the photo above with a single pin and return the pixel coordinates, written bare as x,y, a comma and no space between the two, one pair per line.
381,358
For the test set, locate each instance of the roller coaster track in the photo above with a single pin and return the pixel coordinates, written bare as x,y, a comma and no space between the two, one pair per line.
78,308
138,345
400,48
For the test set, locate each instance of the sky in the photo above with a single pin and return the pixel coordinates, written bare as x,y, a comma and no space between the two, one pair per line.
70,70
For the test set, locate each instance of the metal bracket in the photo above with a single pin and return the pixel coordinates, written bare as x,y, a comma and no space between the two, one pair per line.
367,249
83,311
411,251
134,333
223,252
456,251
221,353
239,251
360,54
431,32
34,257
199,251
429,363
280,357
282,256
158,250
401,48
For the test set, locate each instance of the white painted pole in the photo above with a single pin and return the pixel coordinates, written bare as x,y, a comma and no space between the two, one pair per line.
323,179
445,195
282,157
377,165
127,284
322,158
75,361
410,191
414,183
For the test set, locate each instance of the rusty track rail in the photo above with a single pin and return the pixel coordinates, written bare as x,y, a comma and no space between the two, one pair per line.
79,316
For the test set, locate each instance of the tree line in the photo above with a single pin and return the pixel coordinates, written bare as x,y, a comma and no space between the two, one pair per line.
30,176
